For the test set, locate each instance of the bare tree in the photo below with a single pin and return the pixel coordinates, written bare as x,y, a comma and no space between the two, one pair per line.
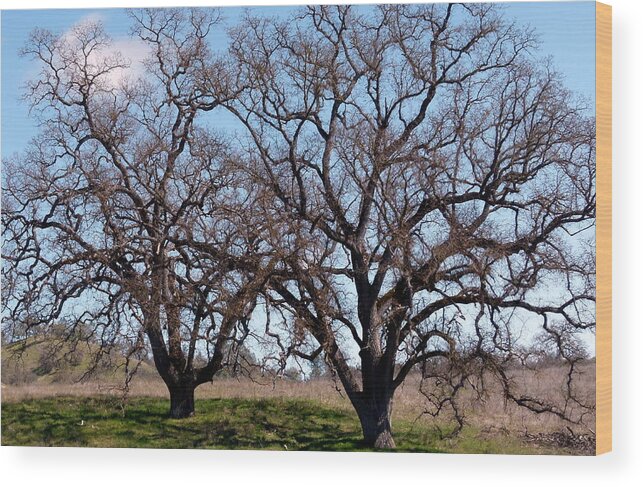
430,187
124,219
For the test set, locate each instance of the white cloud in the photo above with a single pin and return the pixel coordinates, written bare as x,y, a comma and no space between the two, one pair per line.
133,50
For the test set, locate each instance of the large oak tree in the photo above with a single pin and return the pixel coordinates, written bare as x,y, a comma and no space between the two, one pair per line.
123,221
430,185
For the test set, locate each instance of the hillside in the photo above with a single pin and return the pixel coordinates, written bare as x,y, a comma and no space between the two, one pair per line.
42,360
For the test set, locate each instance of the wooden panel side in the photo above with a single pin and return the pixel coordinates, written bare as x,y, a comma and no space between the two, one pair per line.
603,228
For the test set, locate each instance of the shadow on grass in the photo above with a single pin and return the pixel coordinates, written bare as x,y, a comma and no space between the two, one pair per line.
219,424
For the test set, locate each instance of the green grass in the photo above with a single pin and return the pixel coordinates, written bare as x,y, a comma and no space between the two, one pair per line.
272,424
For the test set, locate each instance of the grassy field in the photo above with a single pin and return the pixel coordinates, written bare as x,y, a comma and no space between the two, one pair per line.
272,424
54,409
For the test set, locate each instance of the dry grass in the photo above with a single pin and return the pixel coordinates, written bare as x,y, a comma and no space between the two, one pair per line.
319,390
496,415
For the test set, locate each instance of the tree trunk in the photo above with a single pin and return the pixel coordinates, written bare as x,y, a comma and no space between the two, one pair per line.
181,400
375,417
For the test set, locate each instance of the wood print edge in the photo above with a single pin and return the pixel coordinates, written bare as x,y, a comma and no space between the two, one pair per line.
603,228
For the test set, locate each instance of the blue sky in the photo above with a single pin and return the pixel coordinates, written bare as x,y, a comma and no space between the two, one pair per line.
566,30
